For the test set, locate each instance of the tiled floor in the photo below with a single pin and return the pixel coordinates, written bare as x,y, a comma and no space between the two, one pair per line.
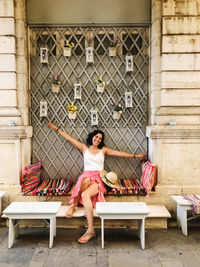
167,248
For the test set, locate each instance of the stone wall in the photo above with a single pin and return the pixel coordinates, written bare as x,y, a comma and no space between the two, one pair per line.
15,132
175,97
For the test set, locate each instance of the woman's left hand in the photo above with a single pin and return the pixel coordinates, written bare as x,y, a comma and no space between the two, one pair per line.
141,155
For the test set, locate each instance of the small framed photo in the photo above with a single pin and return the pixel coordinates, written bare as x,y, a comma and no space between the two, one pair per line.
43,108
44,55
128,100
77,90
94,117
89,54
129,63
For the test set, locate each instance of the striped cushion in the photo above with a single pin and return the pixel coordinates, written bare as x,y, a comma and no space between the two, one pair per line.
148,176
51,187
126,187
31,178
195,202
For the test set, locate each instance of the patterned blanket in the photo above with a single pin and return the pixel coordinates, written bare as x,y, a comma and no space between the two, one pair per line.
60,187
195,202
127,186
50,187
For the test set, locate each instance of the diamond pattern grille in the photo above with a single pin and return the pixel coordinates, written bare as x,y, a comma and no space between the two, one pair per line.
60,158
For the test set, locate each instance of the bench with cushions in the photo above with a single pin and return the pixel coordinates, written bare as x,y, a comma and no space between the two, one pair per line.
128,187
34,186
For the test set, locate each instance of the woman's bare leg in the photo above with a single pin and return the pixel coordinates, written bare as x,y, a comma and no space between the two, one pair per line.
86,195
84,184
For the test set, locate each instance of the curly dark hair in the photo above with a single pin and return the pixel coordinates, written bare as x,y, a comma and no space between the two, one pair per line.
91,135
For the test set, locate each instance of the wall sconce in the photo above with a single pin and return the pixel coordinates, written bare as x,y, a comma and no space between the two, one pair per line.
128,100
89,54
129,63
77,90
43,108
44,55
94,116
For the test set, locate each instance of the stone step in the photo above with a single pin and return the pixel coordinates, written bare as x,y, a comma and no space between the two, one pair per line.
157,219
156,211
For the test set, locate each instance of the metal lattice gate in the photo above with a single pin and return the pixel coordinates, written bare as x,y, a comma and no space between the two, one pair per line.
61,159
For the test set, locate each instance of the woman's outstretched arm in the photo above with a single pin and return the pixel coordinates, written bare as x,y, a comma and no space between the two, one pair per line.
117,153
79,145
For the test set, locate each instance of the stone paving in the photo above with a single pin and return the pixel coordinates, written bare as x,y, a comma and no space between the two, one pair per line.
166,248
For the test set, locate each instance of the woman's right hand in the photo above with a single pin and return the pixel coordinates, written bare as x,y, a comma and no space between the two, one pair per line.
79,145
52,126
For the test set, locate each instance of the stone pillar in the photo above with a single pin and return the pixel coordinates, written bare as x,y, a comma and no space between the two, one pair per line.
155,61
175,96
15,132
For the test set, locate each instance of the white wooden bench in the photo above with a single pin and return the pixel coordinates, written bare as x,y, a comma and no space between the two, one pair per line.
183,206
17,211
123,210
157,212
157,217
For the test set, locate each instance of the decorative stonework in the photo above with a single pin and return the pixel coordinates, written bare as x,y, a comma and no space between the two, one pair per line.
15,140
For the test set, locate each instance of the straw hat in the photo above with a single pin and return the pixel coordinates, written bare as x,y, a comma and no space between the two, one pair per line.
109,178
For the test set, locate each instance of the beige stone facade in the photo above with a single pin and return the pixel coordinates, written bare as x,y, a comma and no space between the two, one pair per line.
174,96
15,141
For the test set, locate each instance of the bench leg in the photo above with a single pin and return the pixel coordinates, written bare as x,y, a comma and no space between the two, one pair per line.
54,226
51,232
102,233
142,232
182,219
17,229
11,233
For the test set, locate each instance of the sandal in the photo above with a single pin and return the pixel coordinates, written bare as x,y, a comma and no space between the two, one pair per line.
86,237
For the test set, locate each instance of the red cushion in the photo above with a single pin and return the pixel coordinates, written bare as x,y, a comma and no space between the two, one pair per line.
148,176
31,177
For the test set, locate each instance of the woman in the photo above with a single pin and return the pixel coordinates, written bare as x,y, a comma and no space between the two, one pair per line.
89,188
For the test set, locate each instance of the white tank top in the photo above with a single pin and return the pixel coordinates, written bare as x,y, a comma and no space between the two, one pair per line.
93,162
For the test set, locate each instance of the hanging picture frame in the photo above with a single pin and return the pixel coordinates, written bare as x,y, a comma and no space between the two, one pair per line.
94,117
44,59
89,54
128,100
77,90
43,108
129,63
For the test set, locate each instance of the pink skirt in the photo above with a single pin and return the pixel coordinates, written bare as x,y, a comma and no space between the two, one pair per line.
94,178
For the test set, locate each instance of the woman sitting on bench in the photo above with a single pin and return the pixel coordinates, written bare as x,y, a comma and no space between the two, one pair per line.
89,188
